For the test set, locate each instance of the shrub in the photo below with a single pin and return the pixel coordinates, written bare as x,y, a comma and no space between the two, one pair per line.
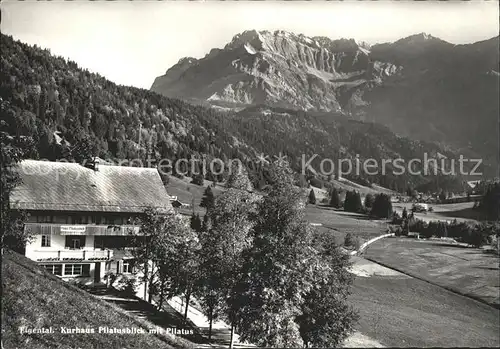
417,225
127,284
473,234
396,230
369,199
352,241
198,179
348,240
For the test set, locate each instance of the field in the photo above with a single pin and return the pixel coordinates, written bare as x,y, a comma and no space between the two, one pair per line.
459,211
189,193
469,271
336,222
400,311
339,223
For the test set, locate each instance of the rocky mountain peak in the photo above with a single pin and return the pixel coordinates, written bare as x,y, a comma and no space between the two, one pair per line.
411,82
281,68
187,60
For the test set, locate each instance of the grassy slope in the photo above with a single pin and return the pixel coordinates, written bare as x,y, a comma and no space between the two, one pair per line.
406,312
186,192
33,298
469,271
339,223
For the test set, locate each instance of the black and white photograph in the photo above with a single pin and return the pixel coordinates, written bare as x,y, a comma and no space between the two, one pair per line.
250,174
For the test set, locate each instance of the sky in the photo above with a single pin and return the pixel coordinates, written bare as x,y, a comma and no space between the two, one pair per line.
132,42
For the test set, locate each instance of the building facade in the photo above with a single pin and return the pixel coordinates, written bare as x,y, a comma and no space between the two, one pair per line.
84,220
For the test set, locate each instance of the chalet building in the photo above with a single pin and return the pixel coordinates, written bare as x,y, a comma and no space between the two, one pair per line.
82,217
178,204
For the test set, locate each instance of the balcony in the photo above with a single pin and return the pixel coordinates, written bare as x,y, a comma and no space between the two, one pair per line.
80,229
68,255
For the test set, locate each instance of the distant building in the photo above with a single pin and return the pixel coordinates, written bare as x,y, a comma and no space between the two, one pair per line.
178,204
471,185
82,217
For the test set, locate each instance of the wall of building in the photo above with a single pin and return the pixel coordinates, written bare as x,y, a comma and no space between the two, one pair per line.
85,280
57,242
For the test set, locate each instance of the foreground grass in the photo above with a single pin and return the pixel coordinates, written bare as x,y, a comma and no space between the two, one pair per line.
407,312
35,299
468,271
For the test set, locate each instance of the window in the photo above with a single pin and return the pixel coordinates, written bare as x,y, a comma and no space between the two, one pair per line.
99,242
75,241
97,219
45,240
55,269
127,267
76,269
79,219
44,219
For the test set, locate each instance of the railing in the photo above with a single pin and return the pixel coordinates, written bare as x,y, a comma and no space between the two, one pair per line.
80,229
70,255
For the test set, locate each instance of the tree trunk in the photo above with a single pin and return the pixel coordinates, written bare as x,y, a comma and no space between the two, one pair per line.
211,315
145,280
150,291
162,295
231,344
151,283
188,295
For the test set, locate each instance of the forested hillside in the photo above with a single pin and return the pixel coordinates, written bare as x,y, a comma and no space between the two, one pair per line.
63,106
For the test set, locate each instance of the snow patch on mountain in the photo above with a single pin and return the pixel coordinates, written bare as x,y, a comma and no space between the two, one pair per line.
250,49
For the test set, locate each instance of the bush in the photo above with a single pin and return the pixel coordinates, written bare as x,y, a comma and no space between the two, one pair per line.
417,226
396,230
127,284
348,240
369,199
472,234
352,241
198,179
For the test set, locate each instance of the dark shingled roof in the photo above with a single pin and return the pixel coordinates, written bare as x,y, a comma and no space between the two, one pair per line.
63,186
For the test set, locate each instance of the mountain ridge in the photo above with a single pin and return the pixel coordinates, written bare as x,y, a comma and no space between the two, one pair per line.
420,86
49,99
